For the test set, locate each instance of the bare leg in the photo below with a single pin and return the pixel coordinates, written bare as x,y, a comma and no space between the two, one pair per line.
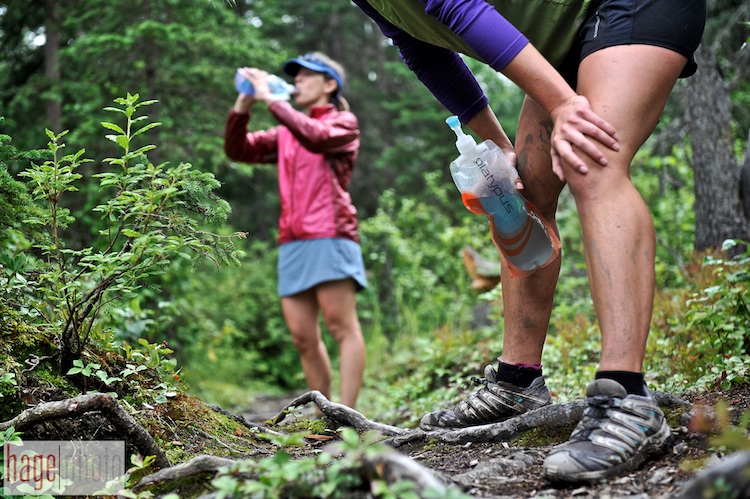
337,300
301,314
527,301
628,86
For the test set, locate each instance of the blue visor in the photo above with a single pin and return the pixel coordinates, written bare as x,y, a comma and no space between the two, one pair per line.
309,61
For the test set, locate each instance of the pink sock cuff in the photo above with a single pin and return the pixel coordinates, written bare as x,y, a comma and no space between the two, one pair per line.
522,365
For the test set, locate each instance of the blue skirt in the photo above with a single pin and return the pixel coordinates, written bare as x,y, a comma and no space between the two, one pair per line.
304,264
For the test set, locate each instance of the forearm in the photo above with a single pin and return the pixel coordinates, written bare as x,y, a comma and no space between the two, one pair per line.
239,145
486,126
243,104
538,79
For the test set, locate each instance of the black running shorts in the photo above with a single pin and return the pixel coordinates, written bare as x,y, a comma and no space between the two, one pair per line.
673,24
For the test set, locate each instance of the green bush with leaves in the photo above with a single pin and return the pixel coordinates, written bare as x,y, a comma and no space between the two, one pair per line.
334,473
151,218
412,252
704,336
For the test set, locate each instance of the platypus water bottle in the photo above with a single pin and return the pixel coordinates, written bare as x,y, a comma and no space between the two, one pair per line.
278,86
487,184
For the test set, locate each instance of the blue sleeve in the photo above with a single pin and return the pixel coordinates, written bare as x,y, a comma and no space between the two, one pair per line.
442,71
492,37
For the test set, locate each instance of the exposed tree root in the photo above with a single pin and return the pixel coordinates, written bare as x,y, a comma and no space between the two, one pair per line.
391,467
729,478
551,416
196,466
339,412
95,402
394,467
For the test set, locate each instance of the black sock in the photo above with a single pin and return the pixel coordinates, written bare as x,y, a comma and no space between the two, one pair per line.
515,375
633,383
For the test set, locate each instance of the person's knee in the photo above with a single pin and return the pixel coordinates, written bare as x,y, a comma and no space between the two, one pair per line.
305,342
599,184
342,328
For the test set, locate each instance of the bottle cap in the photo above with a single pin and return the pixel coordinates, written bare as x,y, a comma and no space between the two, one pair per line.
464,143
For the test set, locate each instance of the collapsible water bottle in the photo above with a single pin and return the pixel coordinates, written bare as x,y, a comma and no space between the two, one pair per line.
279,87
487,184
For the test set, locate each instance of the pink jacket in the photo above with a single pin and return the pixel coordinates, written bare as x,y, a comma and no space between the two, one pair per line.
315,154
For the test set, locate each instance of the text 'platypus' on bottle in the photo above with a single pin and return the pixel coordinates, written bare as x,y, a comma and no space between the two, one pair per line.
487,184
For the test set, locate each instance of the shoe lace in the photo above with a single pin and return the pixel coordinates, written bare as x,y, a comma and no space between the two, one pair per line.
476,381
597,409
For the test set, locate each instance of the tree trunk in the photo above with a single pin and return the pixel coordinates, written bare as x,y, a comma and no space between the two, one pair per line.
718,208
151,60
52,64
745,182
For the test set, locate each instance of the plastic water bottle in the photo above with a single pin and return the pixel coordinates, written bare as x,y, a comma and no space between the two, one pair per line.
279,87
487,184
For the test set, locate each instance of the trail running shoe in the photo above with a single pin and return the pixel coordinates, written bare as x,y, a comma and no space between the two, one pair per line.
496,402
616,434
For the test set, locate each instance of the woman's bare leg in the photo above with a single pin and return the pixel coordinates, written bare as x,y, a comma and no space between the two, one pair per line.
301,315
337,301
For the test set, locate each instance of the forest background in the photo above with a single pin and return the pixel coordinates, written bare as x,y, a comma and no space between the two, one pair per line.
426,329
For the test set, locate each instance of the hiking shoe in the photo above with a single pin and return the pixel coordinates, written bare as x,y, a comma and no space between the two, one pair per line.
616,434
496,402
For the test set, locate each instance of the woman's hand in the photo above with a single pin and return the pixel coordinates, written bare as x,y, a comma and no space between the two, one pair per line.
259,80
576,124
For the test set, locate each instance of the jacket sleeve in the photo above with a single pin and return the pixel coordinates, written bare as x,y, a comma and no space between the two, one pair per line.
335,135
442,71
495,40
255,147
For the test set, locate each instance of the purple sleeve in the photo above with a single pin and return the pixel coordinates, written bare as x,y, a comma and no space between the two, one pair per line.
442,71
495,40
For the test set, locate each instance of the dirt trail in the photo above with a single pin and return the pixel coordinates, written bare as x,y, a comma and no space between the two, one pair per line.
498,470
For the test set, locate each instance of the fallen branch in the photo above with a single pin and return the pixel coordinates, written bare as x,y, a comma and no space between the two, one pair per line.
550,416
667,400
196,466
729,478
391,467
95,402
394,467
339,412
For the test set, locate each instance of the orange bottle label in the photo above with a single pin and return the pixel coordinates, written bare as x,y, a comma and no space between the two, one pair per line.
511,246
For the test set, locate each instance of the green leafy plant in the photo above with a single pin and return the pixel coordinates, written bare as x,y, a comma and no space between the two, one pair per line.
149,361
721,312
333,473
150,219
91,370
7,379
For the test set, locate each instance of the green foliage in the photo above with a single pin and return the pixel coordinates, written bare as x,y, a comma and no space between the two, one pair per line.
9,436
333,473
150,372
665,184
715,328
427,371
150,219
15,202
230,333
412,252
